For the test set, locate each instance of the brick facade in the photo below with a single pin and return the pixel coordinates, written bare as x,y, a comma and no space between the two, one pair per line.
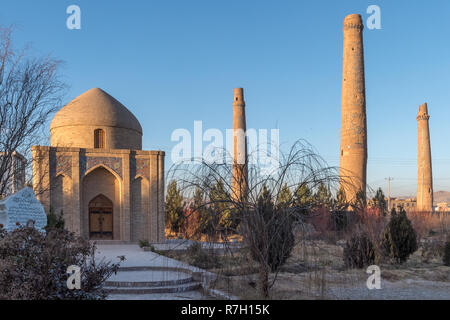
69,178
71,173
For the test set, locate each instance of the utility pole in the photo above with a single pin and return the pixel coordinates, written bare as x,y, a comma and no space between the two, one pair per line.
389,179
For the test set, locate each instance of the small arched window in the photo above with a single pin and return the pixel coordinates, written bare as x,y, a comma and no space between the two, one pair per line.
99,139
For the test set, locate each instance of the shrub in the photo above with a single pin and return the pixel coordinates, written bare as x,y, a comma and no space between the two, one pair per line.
144,243
431,250
359,252
195,249
33,266
200,258
283,242
447,253
54,221
268,231
339,220
400,238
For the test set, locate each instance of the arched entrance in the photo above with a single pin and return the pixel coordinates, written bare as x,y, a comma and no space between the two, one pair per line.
101,218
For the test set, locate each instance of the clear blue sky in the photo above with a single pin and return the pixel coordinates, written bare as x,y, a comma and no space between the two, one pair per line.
173,62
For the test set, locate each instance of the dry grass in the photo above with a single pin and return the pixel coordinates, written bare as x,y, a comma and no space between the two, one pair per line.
323,276
424,222
316,269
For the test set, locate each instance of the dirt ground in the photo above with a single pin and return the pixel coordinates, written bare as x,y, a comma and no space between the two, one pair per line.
316,270
324,276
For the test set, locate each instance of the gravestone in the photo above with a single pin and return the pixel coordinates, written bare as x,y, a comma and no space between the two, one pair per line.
22,209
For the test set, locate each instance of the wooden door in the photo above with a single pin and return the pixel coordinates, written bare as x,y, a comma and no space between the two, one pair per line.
101,219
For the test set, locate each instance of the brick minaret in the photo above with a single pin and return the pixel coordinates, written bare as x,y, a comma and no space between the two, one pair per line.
353,152
425,177
240,168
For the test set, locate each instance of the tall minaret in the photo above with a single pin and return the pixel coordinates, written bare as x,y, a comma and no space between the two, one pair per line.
425,177
353,152
240,168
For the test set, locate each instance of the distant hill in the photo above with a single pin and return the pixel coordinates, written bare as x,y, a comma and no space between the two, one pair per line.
438,196
441,196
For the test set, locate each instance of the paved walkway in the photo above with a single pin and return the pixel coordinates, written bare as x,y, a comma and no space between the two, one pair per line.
149,276
137,258
191,295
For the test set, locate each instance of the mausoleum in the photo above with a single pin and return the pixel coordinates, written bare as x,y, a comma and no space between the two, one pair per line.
96,172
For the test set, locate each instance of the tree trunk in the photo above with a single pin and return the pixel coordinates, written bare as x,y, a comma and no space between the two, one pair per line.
264,282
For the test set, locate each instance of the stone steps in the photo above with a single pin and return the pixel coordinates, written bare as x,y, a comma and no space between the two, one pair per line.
155,283
191,286
141,280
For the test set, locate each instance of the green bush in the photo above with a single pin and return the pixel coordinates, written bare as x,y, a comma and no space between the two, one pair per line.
200,258
400,238
144,243
54,221
359,252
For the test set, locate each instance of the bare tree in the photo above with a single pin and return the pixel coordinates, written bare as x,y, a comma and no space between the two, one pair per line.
265,218
30,92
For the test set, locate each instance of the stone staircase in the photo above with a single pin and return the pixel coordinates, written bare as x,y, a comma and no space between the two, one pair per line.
150,280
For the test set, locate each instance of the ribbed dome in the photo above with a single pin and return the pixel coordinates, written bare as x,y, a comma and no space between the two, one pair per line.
95,108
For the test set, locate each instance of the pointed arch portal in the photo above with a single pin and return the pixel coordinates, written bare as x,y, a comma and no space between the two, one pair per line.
101,218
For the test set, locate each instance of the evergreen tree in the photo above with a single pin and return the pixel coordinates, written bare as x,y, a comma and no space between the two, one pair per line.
360,202
379,202
339,213
221,205
277,224
323,196
265,204
303,195
400,238
303,199
203,213
285,196
174,207
341,203
393,211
